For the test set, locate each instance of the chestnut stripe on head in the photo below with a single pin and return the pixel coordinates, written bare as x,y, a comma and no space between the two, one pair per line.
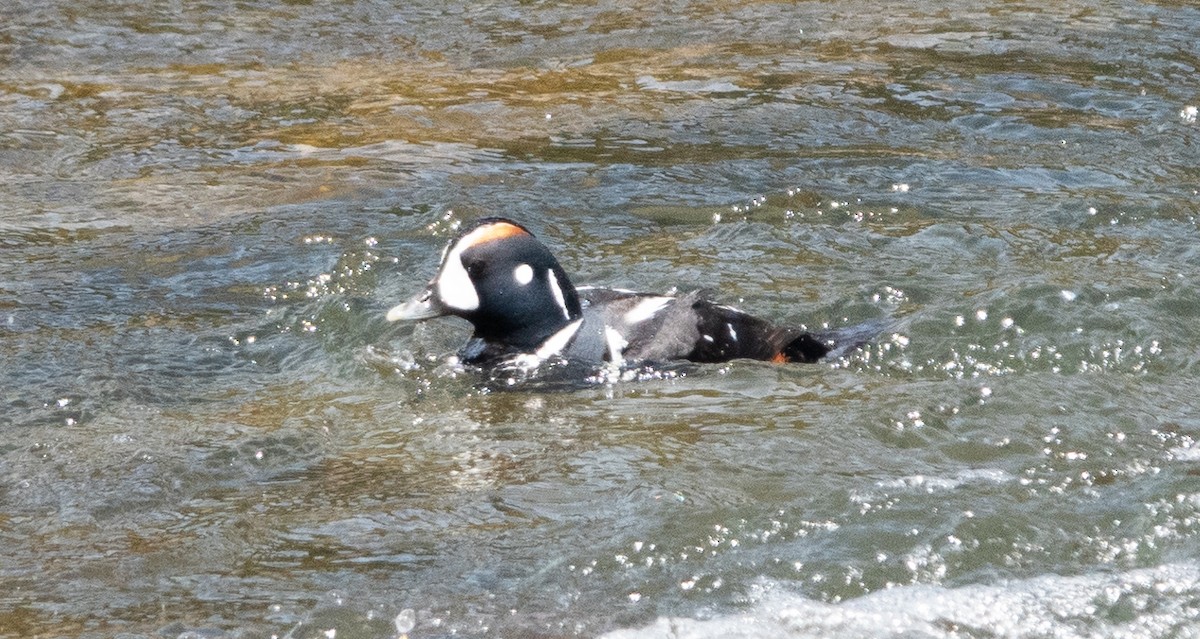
490,233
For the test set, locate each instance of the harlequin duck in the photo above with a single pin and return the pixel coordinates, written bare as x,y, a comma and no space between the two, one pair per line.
499,277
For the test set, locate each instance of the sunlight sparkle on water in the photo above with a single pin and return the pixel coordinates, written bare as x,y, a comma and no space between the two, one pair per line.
405,621
230,234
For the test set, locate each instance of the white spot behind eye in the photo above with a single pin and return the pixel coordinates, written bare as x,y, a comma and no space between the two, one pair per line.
556,289
523,274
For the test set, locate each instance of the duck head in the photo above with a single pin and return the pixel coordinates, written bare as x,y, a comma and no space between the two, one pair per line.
499,277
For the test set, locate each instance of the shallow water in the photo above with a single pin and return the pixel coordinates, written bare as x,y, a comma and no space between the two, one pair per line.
208,429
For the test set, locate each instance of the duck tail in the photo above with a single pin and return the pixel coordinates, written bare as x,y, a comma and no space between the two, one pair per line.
811,347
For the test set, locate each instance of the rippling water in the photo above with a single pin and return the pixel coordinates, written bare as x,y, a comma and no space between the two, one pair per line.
208,429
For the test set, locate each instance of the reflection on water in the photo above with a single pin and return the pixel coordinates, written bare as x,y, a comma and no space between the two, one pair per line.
209,429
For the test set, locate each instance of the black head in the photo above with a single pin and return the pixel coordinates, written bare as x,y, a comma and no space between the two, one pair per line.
498,276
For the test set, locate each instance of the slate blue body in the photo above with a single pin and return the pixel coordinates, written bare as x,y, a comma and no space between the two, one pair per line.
507,284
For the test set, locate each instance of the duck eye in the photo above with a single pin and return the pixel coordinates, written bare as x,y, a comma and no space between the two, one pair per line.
475,269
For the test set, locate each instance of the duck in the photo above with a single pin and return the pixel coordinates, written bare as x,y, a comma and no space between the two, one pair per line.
498,276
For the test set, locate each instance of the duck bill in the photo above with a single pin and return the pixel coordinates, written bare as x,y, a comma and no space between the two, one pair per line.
422,306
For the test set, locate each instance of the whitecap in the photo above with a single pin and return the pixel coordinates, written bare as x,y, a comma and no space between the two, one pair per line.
1150,602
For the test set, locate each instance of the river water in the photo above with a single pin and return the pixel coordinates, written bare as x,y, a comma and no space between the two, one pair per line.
207,429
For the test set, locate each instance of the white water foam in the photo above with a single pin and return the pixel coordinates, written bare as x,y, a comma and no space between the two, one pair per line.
1150,602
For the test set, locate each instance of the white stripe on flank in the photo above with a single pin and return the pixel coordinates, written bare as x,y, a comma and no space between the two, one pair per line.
616,345
555,344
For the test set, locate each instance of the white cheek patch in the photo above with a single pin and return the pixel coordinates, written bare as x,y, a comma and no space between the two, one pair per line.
454,286
646,309
523,274
556,290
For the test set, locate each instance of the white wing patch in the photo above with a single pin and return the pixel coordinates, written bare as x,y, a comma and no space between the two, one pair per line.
523,274
556,289
646,309
590,287
616,345
732,333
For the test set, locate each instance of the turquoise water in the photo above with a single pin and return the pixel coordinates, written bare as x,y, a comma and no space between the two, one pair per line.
209,430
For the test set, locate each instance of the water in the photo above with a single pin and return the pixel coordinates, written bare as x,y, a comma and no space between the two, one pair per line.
208,429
